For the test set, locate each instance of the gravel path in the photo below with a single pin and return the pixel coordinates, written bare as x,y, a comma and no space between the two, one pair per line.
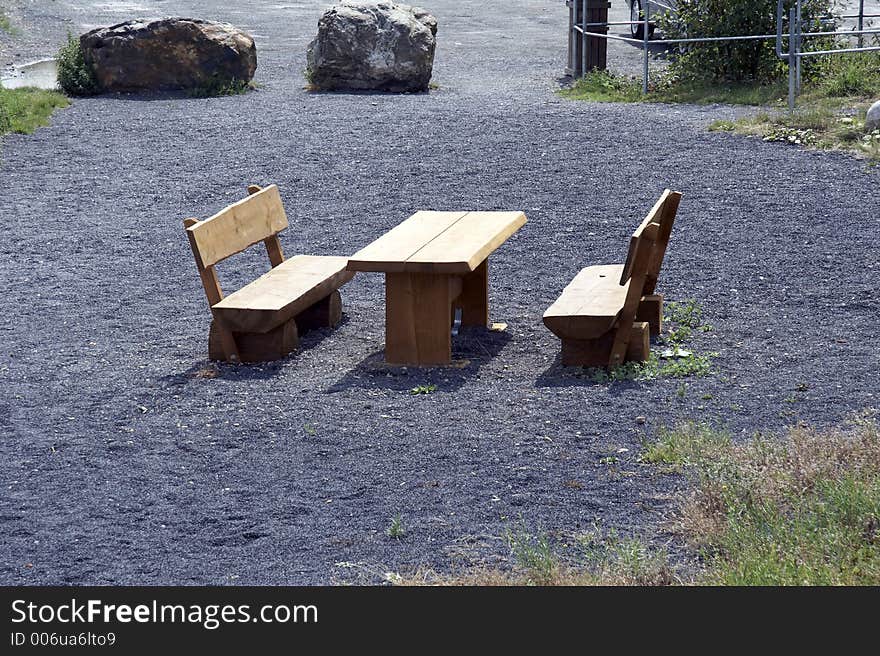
122,464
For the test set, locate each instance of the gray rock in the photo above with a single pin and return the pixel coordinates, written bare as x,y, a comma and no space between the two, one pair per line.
872,120
373,45
171,53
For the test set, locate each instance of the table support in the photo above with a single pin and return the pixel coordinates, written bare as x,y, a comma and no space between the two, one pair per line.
417,308
474,299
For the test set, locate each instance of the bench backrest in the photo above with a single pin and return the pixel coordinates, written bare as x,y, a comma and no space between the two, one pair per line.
257,218
655,242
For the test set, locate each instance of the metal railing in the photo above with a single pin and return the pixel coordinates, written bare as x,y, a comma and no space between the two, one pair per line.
795,36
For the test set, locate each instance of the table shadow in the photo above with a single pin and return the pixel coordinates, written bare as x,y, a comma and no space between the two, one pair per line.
471,349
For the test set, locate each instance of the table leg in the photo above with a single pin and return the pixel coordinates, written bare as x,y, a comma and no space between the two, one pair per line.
474,299
417,307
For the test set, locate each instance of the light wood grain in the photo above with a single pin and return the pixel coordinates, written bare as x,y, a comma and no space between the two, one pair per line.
238,226
390,252
463,246
283,292
589,306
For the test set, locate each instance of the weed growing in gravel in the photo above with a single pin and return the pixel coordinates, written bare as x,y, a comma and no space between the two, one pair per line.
221,86
75,77
396,528
685,444
423,389
24,110
685,318
533,555
6,25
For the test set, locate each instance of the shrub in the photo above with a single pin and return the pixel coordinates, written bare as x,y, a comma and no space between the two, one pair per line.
75,77
731,61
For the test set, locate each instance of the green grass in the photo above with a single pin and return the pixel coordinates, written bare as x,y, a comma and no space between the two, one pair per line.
797,509
6,25
682,320
604,86
25,110
685,445
423,389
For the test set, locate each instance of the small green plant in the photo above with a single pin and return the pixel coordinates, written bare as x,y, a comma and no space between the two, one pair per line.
533,554
221,86
396,528
684,444
75,76
6,24
310,430
423,389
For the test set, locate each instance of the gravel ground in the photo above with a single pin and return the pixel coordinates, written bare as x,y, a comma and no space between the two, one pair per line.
123,464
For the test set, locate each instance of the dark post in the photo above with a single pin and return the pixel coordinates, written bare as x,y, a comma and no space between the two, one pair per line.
586,53
596,55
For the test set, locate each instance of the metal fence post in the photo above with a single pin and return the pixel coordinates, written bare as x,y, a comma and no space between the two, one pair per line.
792,72
861,22
797,47
645,35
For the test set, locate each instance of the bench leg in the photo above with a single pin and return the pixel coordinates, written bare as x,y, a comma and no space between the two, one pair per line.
255,347
326,313
597,352
474,298
651,310
417,309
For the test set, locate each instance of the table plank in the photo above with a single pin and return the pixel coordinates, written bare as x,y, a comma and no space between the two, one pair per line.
464,245
390,252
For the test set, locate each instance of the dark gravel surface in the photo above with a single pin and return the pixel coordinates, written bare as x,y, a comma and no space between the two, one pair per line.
123,463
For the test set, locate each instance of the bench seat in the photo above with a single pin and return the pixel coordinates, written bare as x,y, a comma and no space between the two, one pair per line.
282,293
589,305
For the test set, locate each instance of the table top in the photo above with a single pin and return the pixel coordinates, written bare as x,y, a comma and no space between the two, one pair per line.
438,242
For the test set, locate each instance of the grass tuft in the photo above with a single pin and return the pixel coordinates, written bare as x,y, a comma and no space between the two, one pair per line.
25,110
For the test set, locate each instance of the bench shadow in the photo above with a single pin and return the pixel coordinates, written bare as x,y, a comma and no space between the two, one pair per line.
471,349
208,369
557,375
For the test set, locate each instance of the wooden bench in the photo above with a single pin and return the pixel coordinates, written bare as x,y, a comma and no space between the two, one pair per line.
262,320
607,313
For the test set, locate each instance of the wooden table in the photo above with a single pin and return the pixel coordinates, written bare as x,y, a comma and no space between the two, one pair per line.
435,263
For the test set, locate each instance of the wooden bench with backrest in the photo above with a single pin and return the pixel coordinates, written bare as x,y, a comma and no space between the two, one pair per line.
262,320
606,315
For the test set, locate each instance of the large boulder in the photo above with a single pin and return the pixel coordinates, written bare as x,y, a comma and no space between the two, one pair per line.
171,53
373,45
872,119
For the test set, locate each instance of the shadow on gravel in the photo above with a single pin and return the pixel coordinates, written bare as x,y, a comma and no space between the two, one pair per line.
470,351
251,371
558,376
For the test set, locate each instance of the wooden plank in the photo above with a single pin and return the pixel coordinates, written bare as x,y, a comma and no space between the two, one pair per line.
417,328
463,246
238,226
653,217
474,298
639,271
666,220
391,251
274,250
283,292
595,352
589,306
